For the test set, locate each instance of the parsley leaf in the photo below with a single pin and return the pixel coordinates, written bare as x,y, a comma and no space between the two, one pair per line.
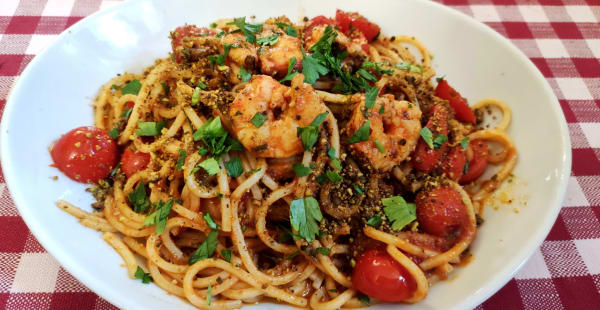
398,211
132,87
312,69
249,30
304,215
270,40
226,255
149,129
323,251
379,147
335,162
165,88
333,176
366,75
289,74
289,30
258,119
208,293
370,96
138,198
301,170
359,190
159,216
244,75
377,66
140,274
464,143
362,134
210,222
234,167
409,67
364,299
180,160
427,136
374,221
466,167
309,134
113,133
206,249
210,165
439,140
216,138
126,113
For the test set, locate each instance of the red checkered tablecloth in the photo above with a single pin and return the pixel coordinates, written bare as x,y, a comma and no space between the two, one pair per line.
562,38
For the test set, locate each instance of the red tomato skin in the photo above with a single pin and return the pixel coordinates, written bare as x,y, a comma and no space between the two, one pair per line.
368,29
132,162
454,163
426,159
342,20
379,275
316,21
440,211
186,31
129,105
85,154
461,109
478,164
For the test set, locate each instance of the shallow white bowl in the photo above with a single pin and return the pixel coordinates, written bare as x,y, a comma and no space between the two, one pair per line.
54,94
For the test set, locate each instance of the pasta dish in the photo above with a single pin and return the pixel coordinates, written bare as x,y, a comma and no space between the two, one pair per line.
319,164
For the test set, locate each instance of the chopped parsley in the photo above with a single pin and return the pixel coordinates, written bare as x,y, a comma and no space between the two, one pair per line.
210,222
290,75
398,211
215,137
379,147
301,170
335,162
226,255
234,167
180,160
359,190
114,133
206,249
289,30
138,198
366,75
323,251
159,216
132,87
208,293
309,134
427,136
464,143
333,176
312,69
377,66
140,274
258,119
364,299
149,129
304,215
210,165
249,30
409,67
362,134
244,75
165,88
439,140
375,220
269,40
370,96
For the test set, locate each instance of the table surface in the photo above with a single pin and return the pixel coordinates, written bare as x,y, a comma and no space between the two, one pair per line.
561,37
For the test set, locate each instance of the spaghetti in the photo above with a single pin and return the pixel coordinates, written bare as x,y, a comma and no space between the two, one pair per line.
264,161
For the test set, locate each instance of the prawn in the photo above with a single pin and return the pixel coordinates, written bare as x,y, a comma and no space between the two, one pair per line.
352,45
284,110
395,127
274,58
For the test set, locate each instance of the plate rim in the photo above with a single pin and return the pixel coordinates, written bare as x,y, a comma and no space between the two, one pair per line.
110,295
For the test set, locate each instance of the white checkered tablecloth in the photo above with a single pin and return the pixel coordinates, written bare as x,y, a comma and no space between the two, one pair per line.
562,38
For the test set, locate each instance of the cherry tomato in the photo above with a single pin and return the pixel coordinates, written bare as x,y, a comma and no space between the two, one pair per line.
454,163
379,275
129,105
182,32
425,158
459,104
440,211
132,162
85,154
316,21
346,21
478,164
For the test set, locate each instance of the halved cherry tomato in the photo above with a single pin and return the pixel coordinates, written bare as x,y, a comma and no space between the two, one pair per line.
425,158
186,31
85,154
316,21
132,162
345,21
478,164
440,211
129,105
379,275
459,104
454,163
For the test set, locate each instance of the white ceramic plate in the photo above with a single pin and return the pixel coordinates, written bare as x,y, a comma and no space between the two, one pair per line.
54,94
